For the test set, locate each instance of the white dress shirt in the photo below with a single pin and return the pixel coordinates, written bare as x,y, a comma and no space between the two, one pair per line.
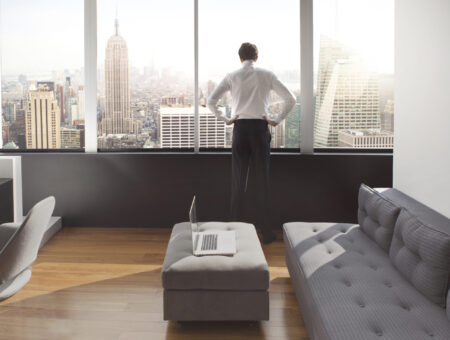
250,88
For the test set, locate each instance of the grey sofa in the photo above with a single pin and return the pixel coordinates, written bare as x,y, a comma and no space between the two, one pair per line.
386,277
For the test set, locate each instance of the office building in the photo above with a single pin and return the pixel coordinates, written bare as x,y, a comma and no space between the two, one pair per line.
17,129
9,111
278,135
347,94
174,101
277,132
60,99
177,128
117,118
387,116
366,139
42,121
72,110
292,127
81,105
67,100
6,132
50,85
70,138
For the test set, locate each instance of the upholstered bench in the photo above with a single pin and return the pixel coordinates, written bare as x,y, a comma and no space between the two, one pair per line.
217,288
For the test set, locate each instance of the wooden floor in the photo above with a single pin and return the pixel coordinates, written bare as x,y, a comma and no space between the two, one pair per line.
93,283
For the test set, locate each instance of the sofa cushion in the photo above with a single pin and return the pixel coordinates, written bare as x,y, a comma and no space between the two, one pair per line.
351,291
422,254
246,270
376,216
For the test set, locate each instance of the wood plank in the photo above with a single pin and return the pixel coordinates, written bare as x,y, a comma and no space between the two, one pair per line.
105,283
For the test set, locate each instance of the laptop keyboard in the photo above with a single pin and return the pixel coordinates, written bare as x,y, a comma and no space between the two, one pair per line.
209,242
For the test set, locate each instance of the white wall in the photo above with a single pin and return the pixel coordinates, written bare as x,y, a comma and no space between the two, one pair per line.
422,101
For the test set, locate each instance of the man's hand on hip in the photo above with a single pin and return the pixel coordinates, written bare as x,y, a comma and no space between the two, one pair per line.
232,120
270,122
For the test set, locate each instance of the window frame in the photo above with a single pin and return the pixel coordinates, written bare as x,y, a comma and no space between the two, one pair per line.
306,62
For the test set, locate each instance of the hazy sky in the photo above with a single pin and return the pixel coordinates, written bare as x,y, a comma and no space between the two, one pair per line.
365,25
39,36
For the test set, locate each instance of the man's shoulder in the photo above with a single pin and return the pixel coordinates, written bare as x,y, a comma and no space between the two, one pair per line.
263,70
258,70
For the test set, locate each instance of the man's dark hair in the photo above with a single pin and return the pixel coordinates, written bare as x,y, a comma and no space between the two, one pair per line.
248,51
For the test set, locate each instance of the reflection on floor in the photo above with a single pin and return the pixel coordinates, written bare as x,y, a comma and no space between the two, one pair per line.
99,283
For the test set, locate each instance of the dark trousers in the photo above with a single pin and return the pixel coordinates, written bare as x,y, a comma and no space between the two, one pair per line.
251,148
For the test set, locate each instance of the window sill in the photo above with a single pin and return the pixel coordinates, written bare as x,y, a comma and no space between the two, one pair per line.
274,152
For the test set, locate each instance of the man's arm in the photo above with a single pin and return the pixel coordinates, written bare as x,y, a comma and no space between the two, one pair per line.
219,91
286,96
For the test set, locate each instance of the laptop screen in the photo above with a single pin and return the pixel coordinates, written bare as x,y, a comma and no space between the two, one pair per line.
193,220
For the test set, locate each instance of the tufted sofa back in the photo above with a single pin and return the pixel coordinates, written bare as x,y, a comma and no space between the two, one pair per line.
422,254
376,216
420,248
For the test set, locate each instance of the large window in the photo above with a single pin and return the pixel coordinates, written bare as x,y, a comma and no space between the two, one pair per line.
273,25
135,75
145,74
42,74
354,66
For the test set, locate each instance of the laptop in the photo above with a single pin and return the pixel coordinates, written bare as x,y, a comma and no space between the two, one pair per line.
211,242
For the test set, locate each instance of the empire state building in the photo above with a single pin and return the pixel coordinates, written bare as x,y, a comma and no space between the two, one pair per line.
117,118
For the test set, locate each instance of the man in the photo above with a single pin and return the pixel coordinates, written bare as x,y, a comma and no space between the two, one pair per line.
250,88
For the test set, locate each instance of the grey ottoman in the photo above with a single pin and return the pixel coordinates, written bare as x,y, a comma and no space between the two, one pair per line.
215,287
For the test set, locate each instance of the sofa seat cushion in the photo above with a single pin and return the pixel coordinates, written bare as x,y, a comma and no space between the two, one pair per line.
354,290
421,253
246,270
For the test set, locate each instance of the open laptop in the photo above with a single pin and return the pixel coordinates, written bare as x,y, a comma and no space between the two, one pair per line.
211,242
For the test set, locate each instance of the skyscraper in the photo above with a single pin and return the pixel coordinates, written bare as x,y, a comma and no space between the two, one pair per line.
292,127
117,118
72,111
9,111
60,98
42,122
81,104
347,94
66,99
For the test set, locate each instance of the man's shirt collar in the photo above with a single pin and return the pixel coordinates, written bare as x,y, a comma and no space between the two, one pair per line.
248,63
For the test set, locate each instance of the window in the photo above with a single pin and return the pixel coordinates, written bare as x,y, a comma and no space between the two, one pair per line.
145,74
41,76
354,73
136,91
223,27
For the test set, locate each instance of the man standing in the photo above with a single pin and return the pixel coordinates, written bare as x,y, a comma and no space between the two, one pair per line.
250,89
